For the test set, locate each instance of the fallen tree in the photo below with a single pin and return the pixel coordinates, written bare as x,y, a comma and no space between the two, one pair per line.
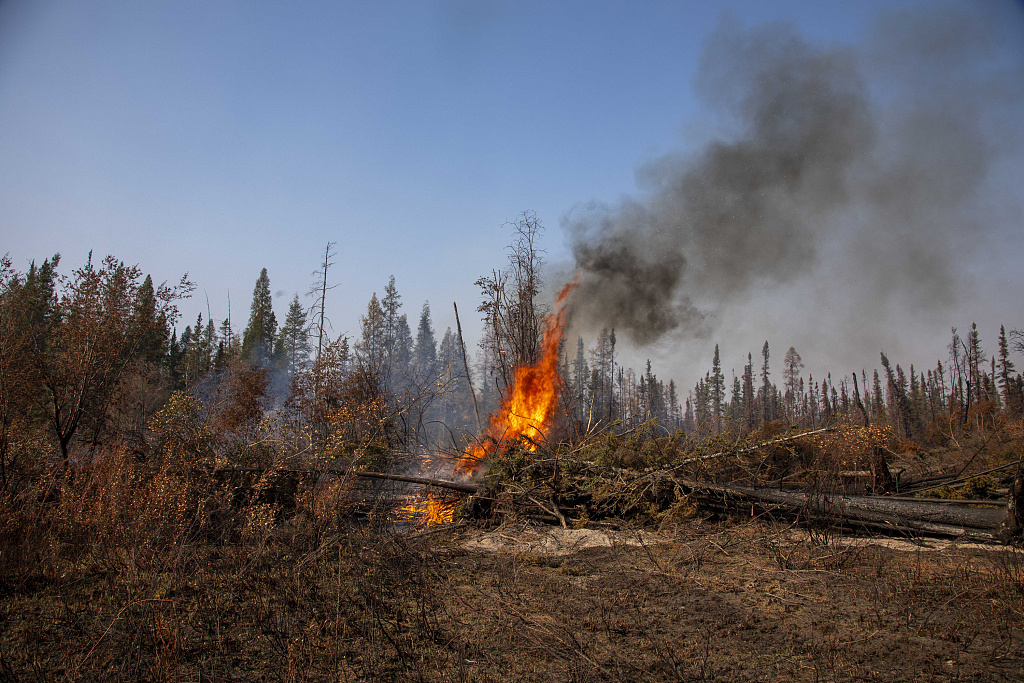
975,523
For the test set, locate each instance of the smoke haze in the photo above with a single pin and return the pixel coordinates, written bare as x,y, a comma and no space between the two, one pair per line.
854,179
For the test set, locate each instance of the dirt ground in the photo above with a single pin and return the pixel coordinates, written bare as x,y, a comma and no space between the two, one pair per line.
725,601
749,602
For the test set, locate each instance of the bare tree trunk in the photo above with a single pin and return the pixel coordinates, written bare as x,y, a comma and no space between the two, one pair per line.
856,398
1013,522
465,364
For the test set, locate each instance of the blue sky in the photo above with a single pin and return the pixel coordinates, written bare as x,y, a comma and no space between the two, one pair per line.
219,138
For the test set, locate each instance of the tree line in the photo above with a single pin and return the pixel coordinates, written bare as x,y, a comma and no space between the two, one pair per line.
93,358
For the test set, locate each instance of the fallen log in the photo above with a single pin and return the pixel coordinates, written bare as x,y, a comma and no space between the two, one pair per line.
952,480
945,520
426,481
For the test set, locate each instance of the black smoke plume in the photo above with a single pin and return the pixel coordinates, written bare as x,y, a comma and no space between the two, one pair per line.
814,164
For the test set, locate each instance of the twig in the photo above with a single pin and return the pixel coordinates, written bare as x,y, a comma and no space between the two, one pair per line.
96,644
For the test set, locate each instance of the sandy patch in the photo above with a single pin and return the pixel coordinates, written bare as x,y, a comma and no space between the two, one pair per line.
554,541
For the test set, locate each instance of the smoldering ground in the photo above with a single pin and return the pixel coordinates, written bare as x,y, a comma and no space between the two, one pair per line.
854,178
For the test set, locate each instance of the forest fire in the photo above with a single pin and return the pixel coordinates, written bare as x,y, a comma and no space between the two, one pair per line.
529,409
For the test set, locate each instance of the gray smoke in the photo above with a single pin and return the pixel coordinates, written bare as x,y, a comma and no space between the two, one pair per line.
816,164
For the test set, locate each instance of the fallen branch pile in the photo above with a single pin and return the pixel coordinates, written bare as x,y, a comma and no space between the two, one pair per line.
575,492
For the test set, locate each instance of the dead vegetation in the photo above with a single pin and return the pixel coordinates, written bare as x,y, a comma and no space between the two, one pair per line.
120,569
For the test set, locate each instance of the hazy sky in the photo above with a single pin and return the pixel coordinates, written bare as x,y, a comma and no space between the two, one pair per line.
219,138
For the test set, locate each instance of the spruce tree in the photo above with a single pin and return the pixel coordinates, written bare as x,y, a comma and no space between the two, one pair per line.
749,412
401,355
580,374
766,387
1005,369
424,353
791,366
258,338
371,349
151,344
977,359
717,391
736,401
293,345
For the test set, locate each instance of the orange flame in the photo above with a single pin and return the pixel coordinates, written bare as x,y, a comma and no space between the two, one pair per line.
428,511
529,409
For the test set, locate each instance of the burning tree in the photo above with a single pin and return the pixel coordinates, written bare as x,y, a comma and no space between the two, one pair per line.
512,318
528,409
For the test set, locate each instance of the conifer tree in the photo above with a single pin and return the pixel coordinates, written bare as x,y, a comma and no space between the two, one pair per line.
717,391
877,402
674,416
1005,370
736,400
371,349
258,338
154,337
425,351
401,354
792,364
976,360
749,413
293,345
580,374
766,387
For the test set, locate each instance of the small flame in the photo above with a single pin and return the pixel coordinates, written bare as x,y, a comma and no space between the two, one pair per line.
529,409
429,511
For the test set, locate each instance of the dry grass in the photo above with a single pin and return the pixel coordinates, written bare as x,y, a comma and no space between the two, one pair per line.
119,571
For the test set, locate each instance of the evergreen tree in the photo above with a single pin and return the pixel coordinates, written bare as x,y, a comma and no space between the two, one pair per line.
457,405
258,338
736,401
877,402
766,386
372,348
293,347
229,347
957,376
197,352
603,384
1004,370
154,337
812,400
401,354
976,360
425,351
717,391
688,418
580,374
792,364
749,413
654,397
674,416
896,391
826,405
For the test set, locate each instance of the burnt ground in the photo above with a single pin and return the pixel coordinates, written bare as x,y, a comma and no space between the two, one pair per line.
727,601
747,603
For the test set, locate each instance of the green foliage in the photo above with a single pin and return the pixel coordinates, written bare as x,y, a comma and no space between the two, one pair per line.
509,461
258,338
976,488
293,339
